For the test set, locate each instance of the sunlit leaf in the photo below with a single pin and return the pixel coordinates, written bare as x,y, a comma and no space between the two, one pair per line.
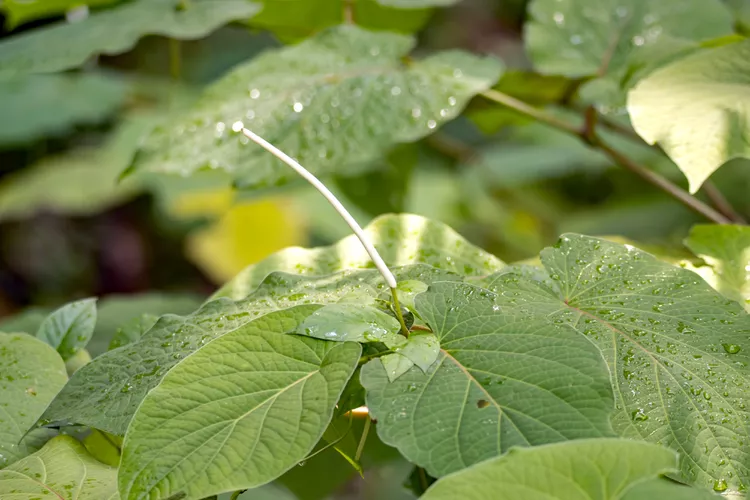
63,470
113,31
31,373
401,240
726,250
69,328
358,97
238,413
696,109
677,350
503,378
106,393
593,468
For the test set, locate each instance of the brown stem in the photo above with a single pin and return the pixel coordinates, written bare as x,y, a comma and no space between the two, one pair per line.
721,204
348,11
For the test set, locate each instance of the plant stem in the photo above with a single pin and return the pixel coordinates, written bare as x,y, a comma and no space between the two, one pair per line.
348,11
236,494
399,315
175,59
721,203
362,440
588,135
328,195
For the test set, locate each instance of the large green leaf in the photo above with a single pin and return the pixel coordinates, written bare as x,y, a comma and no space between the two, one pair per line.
31,373
113,31
677,350
335,102
106,392
41,105
401,240
62,470
696,109
615,38
238,413
503,378
726,250
21,11
601,469
69,328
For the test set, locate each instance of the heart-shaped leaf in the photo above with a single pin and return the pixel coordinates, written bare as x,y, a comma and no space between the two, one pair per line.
400,239
351,323
592,468
69,328
677,350
31,373
106,393
502,379
113,31
238,413
335,102
63,470
696,109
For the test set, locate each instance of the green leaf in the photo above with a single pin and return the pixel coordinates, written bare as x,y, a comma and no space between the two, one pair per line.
244,409
22,11
395,365
106,393
38,106
661,489
69,328
741,10
133,330
726,251
63,469
67,45
103,447
422,349
31,373
580,470
351,323
503,378
696,109
677,350
358,96
400,239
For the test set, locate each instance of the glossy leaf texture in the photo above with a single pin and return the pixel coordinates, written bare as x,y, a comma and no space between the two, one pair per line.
113,31
238,413
503,378
676,349
106,393
62,470
400,239
614,39
335,102
69,328
579,470
351,322
696,109
726,251
38,106
31,373
21,11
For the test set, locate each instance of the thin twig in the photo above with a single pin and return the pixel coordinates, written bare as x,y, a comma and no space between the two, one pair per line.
362,440
175,59
721,204
348,11
399,314
593,140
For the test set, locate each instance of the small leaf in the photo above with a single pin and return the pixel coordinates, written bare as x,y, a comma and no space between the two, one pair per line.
585,469
726,250
76,361
350,323
395,365
244,409
400,239
408,290
331,121
122,378
422,349
543,382
67,45
31,373
69,328
63,469
696,109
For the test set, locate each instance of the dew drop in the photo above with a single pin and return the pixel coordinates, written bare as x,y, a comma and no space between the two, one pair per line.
731,348
431,124
254,94
298,106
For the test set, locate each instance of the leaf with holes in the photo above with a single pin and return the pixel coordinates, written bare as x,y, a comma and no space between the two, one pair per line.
113,31
696,109
31,373
593,468
63,469
400,239
503,378
105,393
677,350
238,413
69,328
335,102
